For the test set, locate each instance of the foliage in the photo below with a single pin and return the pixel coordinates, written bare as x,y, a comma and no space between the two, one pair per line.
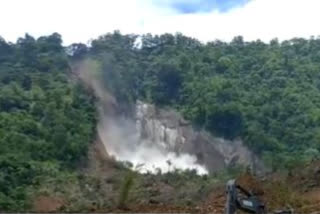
125,189
46,119
267,94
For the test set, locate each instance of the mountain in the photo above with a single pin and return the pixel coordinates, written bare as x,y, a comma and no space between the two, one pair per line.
53,157
265,94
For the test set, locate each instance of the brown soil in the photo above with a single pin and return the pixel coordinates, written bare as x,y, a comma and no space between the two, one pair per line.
215,202
47,204
275,194
299,190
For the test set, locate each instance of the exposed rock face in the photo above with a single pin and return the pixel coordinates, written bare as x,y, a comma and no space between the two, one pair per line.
157,138
168,130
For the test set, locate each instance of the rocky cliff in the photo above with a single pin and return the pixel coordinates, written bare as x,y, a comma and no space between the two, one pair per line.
154,139
168,131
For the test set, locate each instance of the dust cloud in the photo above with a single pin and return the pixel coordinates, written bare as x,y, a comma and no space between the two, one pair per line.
120,136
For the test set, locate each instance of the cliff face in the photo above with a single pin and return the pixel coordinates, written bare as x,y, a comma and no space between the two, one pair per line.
155,139
168,131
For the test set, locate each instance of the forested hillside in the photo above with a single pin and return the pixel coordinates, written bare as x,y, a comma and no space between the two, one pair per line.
47,120
266,94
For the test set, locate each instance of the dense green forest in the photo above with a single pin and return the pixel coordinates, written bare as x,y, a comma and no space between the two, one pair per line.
268,94
47,120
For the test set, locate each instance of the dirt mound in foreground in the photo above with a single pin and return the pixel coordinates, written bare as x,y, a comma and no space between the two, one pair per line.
299,190
276,192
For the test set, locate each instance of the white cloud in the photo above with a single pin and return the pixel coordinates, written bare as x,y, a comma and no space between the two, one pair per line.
81,20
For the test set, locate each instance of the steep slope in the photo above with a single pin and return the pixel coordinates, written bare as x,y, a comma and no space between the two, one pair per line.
46,119
168,130
153,138
266,94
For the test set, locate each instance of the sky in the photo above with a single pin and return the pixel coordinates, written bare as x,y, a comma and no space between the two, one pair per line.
206,20
195,6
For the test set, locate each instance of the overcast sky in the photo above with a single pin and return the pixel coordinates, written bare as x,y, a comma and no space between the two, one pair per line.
206,20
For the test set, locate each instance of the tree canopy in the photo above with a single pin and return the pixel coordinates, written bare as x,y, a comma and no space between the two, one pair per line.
265,93
47,120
